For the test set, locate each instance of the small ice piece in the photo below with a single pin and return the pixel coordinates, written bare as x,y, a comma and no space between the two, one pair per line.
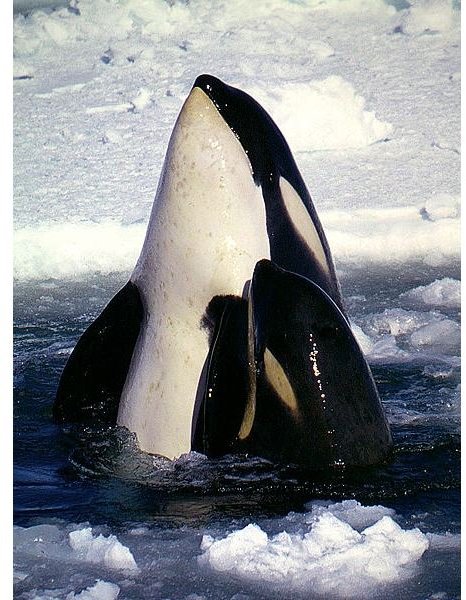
351,512
437,372
102,590
22,70
100,549
41,540
320,50
363,340
442,337
386,349
444,293
397,321
445,542
429,16
441,206
111,136
142,99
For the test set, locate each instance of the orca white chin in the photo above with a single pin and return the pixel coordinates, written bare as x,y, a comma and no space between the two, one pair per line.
196,351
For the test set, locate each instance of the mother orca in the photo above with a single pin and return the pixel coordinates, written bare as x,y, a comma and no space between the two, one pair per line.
230,335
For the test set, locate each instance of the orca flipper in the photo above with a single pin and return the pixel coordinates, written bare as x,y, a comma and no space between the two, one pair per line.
93,378
316,403
218,417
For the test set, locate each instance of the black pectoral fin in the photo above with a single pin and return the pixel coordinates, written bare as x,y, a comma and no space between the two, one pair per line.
220,411
93,378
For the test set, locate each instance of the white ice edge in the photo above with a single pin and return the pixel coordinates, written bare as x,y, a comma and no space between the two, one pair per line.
375,235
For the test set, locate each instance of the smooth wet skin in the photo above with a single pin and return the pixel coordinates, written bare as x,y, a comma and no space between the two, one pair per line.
316,400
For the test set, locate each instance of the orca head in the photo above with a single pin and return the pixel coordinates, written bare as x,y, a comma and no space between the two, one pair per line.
296,237
261,139
314,400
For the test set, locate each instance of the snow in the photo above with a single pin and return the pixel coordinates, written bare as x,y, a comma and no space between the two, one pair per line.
392,235
429,16
335,118
371,115
67,251
376,235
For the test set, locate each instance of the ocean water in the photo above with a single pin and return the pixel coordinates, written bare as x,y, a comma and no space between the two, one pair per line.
73,478
367,94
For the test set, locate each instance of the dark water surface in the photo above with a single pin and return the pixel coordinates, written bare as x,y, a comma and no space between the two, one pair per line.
99,476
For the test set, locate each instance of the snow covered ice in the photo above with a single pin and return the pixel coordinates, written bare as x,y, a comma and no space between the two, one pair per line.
330,558
367,94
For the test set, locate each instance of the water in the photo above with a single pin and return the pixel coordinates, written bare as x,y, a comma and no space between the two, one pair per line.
73,475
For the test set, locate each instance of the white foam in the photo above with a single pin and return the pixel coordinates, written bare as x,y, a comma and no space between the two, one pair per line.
328,558
107,551
440,293
335,117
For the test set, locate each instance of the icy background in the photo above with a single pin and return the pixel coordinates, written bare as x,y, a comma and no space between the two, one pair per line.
367,94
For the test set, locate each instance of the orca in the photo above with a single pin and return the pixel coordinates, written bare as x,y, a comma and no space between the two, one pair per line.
308,393
207,347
